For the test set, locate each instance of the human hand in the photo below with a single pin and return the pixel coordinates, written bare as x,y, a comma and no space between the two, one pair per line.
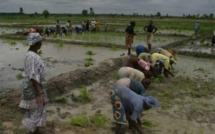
40,100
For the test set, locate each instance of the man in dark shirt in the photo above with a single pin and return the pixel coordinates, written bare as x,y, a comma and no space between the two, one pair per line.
150,29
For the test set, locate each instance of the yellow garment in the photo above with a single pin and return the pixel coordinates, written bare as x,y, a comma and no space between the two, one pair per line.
156,56
145,57
167,53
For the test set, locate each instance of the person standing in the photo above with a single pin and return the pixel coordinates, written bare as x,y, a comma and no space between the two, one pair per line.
213,39
196,28
130,36
34,97
58,27
151,30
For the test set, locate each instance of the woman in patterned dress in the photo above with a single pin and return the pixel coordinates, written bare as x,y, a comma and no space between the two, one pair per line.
34,97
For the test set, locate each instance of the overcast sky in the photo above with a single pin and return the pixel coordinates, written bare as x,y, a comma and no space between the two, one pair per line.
170,7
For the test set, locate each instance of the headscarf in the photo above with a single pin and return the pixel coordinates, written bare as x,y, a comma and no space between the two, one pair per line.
33,38
31,30
151,102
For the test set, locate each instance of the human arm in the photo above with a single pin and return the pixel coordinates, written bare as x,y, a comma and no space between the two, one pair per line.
39,92
155,29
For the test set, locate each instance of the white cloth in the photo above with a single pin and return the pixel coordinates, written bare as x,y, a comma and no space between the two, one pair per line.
132,73
33,38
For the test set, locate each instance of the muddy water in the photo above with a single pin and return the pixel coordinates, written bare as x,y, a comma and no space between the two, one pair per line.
195,67
57,59
119,38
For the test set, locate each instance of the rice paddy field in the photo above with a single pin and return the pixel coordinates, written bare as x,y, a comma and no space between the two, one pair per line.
81,70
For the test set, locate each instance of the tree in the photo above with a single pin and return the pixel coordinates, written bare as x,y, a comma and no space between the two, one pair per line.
21,10
91,11
84,12
46,13
158,14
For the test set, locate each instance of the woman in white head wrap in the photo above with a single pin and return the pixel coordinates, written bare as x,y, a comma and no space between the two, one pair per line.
34,97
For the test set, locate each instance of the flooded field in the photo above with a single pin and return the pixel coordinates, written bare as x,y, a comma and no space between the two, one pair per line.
57,59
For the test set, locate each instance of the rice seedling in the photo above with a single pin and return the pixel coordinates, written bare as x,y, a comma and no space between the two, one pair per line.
98,120
90,59
86,122
61,44
148,123
19,76
88,63
84,95
89,52
80,120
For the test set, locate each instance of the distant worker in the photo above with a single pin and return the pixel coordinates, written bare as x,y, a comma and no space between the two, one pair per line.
58,27
106,26
213,39
151,30
129,36
196,27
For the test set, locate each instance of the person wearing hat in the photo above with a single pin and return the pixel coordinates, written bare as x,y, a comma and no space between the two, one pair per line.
130,36
34,97
151,30
127,105
141,49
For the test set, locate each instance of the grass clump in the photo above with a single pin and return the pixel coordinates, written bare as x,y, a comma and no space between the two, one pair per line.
85,122
19,76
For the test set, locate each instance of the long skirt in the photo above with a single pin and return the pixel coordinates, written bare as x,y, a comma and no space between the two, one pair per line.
129,40
35,116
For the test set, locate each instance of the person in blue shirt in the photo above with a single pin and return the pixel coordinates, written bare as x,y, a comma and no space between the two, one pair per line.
127,105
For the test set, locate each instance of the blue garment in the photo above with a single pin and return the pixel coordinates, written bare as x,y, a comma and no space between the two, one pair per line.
139,49
137,87
132,102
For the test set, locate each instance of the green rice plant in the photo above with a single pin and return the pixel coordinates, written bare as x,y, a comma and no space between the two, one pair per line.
114,48
192,42
19,76
89,52
159,79
122,54
19,130
98,120
54,35
86,122
61,44
147,123
90,59
84,95
88,63
80,120
12,43
17,48
61,100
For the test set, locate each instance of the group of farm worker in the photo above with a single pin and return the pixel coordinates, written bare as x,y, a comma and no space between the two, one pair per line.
128,96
